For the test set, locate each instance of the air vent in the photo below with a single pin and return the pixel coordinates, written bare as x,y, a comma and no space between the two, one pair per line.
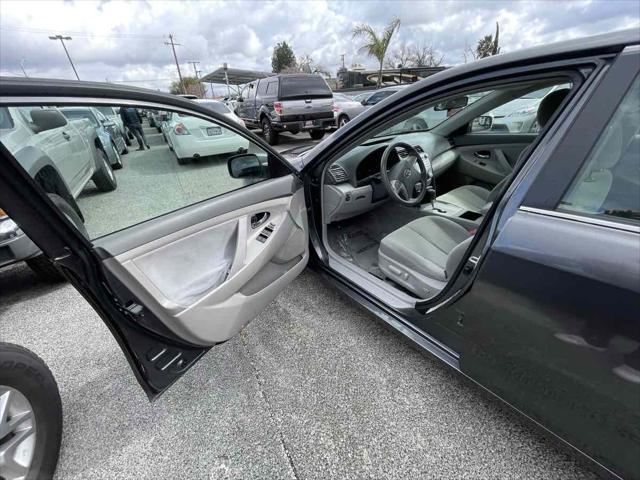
338,173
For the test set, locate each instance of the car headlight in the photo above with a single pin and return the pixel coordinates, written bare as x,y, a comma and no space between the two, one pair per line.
8,228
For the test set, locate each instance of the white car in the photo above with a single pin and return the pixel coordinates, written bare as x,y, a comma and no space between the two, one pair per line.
57,155
113,114
191,138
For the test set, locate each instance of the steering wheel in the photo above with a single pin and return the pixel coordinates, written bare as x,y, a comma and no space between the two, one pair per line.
406,177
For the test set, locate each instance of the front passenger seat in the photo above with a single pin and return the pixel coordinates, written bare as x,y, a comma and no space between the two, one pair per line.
478,199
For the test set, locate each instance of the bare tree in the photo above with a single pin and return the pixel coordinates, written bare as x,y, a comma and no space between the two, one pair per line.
468,53
426,56
401,57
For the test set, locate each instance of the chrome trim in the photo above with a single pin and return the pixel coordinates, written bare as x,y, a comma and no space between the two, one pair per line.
582,219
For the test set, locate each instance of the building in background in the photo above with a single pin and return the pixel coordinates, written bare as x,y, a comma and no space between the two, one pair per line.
357,78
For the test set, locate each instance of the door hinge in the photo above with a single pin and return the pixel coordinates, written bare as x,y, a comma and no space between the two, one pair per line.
471,264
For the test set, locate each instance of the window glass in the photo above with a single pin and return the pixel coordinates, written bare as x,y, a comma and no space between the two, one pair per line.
6,121
262,88
178,162
609,182
272,88
217,107
516,116
304,86
107,111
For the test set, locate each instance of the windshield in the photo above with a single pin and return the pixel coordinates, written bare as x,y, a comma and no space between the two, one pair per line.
430,117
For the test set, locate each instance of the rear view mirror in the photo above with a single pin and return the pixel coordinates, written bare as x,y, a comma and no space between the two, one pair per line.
451,104
245,165
47,119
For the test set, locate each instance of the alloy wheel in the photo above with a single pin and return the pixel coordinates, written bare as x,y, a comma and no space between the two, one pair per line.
17,434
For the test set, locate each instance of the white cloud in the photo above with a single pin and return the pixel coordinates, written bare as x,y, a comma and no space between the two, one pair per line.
125,40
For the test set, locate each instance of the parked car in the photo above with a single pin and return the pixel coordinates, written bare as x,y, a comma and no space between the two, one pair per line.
376,96
221,108
345,109
156,117
191,138
291,103
521,272
99,131
61,159
113,114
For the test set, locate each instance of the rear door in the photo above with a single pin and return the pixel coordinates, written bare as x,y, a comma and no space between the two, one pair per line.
551,322
179,258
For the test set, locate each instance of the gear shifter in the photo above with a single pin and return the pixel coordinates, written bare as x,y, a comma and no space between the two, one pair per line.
431,192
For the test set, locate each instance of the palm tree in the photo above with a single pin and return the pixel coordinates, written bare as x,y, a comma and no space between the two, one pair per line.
376,45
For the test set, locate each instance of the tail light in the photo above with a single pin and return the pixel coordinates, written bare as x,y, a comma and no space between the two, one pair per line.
180,129
277,106
335,107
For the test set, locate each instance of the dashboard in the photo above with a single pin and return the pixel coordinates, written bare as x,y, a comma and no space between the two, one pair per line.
352,184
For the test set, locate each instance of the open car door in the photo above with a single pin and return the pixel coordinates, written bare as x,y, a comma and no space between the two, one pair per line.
189,242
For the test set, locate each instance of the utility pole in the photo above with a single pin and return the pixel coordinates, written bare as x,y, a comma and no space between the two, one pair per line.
22,67
62,39
173,47
195,70
342,57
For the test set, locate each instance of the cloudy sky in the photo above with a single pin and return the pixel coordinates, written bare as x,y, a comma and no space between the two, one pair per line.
124,41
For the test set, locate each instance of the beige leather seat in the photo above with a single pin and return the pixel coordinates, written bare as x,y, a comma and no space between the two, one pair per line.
478,199
422,255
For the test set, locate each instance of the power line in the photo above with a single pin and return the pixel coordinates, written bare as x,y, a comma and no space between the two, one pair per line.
173,47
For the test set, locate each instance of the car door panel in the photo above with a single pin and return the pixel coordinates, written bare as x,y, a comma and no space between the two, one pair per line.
489,163
207,281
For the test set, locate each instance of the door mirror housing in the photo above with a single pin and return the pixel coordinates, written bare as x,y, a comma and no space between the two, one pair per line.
44,120
363,102
452,104
484,122
245,165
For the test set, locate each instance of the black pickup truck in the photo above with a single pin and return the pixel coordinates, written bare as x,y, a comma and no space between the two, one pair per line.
287,102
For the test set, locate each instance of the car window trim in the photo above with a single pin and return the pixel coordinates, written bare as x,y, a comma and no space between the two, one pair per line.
564,163
583,218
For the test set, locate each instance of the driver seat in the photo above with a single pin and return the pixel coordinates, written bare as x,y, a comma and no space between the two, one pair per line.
422,255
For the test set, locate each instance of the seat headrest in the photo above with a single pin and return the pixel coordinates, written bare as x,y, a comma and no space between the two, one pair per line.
549,105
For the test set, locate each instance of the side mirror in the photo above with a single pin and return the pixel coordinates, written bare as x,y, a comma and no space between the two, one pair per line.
107,123
484,122
452,104
363,102
245,165
44,120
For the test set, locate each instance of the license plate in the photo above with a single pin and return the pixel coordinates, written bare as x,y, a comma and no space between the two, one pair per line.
308,123
214,131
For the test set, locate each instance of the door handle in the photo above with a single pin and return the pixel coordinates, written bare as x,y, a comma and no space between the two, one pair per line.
258,219
66,136
483,154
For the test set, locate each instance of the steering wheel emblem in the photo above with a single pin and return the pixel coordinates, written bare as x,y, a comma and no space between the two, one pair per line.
406,172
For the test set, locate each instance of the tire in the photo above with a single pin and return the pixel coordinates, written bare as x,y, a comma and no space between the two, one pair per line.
104,177
41,265
342,121
316,134
118,165
270,135
25,377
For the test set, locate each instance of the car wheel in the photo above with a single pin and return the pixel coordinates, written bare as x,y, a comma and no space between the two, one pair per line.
30,415
316,134
118,165
342,121
104,178
270,135
44,268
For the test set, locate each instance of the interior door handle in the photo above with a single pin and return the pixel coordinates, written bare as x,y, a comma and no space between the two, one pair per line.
258,219
66,136
484,155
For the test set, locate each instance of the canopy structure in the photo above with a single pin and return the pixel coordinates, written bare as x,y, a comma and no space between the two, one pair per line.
233,76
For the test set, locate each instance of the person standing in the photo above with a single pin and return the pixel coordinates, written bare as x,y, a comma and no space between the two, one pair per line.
131,119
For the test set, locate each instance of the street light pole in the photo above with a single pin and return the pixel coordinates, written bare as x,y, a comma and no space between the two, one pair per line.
62,39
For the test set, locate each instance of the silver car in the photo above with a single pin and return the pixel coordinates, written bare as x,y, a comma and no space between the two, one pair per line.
345,109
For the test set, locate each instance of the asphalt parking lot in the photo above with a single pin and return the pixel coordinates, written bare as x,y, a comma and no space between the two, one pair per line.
313,388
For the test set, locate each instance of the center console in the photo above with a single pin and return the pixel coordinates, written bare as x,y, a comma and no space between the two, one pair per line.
468,219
